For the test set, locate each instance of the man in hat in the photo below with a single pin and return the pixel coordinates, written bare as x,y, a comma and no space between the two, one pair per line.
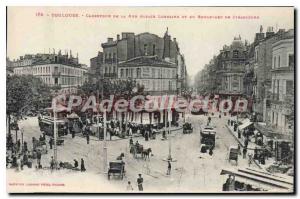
140,181
169,168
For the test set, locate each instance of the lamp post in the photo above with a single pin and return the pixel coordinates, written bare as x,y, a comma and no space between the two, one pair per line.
104,129
104,144
55,137
169,158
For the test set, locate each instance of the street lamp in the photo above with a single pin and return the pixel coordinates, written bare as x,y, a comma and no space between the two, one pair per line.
55,136
169,158
104,144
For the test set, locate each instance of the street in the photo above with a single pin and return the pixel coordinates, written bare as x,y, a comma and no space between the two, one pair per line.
191,170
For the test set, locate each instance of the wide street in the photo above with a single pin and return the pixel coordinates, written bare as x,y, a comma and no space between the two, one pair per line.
191,170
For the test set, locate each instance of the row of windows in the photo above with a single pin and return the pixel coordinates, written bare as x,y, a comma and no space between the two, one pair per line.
64,80
277,62
282,88
109,70
147,72
112,57
158,85
47,70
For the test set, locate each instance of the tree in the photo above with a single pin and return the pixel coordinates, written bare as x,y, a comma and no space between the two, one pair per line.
24,93
119,88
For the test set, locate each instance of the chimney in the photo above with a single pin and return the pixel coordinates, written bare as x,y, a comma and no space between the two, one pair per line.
109,39
269,32
118,37
174,39
259,36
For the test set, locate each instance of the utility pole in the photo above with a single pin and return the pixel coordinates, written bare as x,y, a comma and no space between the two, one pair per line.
104,131
55,137
104,145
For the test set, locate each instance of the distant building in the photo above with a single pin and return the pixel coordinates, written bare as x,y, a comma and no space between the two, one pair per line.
282,74
56,70
133,52
231,68
95,69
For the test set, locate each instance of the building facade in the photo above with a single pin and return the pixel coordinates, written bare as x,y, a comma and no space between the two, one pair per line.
262,64
157,76
56,70
282,76
145,57
231,63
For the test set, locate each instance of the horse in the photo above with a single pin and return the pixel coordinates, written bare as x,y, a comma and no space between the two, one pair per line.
121,156
146,153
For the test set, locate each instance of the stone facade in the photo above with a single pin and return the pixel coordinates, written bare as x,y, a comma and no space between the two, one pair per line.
55,70
282,74
129,49
231,68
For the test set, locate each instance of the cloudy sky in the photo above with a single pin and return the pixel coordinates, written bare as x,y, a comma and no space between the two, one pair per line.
199,39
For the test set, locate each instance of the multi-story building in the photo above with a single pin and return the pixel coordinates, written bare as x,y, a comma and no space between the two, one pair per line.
95,67
282,74
262,64
231,67
56,70
146,58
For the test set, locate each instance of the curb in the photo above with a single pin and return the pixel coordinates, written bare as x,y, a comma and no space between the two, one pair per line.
242,145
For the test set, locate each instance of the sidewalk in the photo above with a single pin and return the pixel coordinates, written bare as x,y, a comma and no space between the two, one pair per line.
251,146
241,141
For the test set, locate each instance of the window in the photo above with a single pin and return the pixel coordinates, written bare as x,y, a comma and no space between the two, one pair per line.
235,54
278,61
290,88
145,49
114,57
122,72
291,60
56,80
127,72
138,72
274,62
153,49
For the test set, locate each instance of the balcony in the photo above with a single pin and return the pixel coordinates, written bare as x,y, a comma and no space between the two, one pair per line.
56,73
281,99
283,69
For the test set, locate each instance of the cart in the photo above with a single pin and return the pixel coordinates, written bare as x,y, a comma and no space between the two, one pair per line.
116,168
233,154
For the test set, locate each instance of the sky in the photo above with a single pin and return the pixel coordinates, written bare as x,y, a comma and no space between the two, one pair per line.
199,39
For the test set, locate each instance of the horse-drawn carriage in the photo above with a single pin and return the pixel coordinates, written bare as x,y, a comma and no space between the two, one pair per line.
187,128
140,150
233,154
116,168
136,149
208,138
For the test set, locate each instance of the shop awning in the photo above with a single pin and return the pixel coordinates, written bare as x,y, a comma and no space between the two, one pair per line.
269,183
245,125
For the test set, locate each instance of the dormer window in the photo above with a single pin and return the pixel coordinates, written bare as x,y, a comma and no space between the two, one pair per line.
235,54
